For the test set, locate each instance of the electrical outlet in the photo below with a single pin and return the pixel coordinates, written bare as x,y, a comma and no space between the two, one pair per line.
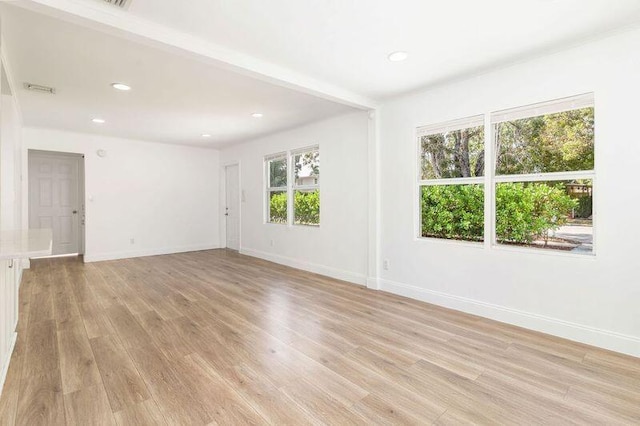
385,264
132,240
271,243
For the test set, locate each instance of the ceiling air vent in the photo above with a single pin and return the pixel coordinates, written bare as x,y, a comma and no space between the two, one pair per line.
39,88
119,3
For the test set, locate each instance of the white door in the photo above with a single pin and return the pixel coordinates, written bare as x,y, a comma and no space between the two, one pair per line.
232,208
54,200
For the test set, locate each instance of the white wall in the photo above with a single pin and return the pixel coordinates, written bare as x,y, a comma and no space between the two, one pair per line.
337,248
593,300
10,166
165,197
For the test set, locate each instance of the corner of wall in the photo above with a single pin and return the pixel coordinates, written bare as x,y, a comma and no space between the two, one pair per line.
308,266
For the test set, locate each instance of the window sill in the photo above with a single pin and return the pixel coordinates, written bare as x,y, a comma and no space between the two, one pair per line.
293,225
459,243
544,252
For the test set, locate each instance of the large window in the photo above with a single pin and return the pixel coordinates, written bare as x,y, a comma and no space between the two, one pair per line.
544,170
293,187
452,163
538,180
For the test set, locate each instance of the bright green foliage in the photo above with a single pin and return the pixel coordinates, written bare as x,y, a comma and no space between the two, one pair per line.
278,207
453,212
528,211
558,142
307,207
524,211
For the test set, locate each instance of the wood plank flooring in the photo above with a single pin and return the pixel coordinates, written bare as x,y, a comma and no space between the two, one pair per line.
215,337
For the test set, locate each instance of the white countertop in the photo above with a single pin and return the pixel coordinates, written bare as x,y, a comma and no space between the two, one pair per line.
25,243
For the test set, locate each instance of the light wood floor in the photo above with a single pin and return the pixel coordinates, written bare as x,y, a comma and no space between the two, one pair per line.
218,338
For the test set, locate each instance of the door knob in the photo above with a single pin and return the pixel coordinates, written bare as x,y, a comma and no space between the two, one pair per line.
75,212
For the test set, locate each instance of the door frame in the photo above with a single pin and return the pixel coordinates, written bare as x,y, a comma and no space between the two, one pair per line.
223,203
81,191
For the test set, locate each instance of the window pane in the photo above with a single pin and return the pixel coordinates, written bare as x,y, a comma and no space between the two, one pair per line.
453,212
550,215
560,142
278,173
307,166
306,207
454,154
278,207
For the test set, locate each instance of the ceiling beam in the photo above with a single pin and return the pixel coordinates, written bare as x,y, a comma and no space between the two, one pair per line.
111,20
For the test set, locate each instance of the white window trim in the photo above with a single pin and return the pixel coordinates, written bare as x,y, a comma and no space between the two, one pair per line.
294,187
449,126
269,189
290,187
491,179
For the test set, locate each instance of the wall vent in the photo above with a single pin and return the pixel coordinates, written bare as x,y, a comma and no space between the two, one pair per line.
39,88
120,3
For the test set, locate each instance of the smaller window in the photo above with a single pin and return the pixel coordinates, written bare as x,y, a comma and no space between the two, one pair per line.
276,170
451,190
306,188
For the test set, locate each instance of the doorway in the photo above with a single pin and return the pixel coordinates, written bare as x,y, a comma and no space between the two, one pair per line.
232,206
56,198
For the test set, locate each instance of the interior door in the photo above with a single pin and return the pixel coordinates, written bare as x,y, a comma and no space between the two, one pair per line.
232,208
54,200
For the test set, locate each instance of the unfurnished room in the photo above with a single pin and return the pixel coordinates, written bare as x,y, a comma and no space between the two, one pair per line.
327,212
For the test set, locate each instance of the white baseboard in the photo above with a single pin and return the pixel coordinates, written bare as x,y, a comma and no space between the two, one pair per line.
580,333
5,362
338,274
373,283
98,257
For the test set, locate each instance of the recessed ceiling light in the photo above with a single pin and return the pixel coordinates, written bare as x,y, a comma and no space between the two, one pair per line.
398,56
206,135
257,115
98,120
120,86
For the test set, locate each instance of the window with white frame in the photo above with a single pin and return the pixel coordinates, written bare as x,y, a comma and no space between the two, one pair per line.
293,187
544,172
306,186
540,184
277,188
451,183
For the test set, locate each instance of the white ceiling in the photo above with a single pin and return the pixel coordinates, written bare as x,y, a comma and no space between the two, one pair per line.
203,66
346,42
174,99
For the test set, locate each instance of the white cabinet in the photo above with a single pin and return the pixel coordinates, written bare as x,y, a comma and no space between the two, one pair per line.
9,275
